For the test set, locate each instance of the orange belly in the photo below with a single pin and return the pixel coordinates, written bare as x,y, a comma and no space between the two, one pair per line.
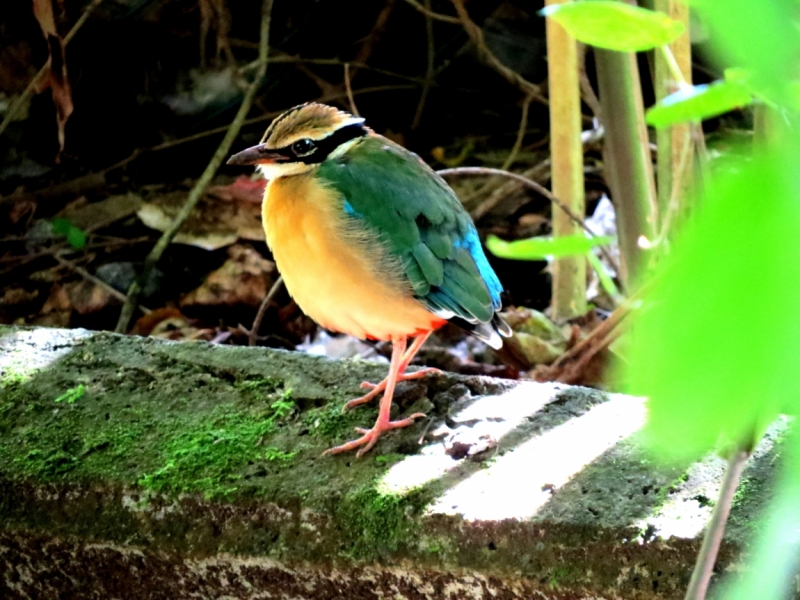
340,278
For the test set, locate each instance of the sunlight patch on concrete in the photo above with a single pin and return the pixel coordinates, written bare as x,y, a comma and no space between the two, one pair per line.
519,483
688,507
488,417
24,353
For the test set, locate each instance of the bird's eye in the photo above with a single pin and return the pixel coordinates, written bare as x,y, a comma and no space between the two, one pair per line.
303,147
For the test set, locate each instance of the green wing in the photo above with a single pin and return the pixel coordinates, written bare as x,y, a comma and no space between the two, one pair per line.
419,219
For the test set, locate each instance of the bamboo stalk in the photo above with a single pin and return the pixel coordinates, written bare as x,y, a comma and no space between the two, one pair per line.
566,149
626,155
672,140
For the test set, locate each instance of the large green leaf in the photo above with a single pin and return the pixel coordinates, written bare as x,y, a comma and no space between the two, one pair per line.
615,25
698,102
540,248
760,36
716,347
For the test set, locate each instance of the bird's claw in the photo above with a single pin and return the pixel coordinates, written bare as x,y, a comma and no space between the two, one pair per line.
370,437
377,388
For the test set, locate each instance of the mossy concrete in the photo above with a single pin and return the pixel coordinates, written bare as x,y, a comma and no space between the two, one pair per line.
138,468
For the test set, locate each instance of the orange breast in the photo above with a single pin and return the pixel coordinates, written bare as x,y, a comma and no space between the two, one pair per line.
337,275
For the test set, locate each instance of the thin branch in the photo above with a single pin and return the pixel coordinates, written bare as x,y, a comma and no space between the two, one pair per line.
430,70
200,186
378,29
512,155
588,94
523,125
538,187
704,567
432,15
290,58
95,280
15,108
537,171
252,335
476,35
350,99
95,182
677,188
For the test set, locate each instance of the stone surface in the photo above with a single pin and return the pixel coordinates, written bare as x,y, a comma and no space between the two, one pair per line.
137,468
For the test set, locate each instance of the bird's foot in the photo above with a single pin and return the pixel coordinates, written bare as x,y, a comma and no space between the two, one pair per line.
370,436
377,388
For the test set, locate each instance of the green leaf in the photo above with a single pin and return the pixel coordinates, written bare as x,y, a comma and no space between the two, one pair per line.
716,346
76,237
615,25
698,102
61,226
759,36
540,248
72,394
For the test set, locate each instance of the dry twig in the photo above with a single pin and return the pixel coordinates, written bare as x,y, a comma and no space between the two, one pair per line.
538,187
96,180
569,367
476,35
587,91
425,10
95,280
540,170
430,72
199,187
252,335
349,89
15,108
523,125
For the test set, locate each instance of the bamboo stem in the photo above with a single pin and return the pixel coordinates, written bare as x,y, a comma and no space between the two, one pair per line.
566,149
673,70
626,154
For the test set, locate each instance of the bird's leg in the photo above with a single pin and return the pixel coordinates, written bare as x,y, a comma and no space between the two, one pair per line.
370,436
406,359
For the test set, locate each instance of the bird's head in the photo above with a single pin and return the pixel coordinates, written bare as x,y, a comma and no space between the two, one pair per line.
301,138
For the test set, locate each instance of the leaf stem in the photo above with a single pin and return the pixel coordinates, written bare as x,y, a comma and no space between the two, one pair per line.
704,567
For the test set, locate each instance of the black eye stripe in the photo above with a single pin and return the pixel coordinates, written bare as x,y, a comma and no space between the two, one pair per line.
324,146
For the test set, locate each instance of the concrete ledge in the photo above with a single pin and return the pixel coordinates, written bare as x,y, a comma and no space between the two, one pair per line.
137,468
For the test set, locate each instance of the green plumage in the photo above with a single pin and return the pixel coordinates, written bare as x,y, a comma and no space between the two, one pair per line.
420,221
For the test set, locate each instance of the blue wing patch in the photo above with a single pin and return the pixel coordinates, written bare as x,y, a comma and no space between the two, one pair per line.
472,244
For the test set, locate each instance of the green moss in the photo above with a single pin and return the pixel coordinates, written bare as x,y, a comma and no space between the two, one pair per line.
332,423
376,524
211,456
275,454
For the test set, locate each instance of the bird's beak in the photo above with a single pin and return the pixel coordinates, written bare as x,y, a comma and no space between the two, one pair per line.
257,155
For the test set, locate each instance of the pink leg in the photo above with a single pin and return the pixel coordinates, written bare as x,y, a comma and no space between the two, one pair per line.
406,359
370,436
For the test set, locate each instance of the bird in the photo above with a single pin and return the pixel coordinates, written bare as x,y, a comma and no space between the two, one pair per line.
371,242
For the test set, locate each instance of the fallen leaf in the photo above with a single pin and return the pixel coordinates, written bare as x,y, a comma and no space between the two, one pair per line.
56,75
17,295
149,322
213,224
243,280
96,215
58,300
87,297
243,189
